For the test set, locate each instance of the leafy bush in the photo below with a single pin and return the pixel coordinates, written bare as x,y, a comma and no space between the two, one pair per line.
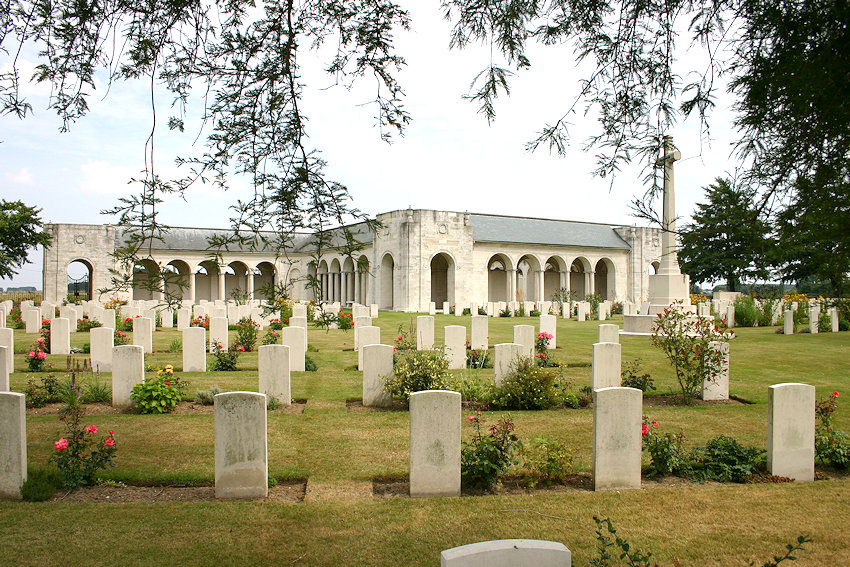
309,364
831,447
667,453
824,322
747,313
541,349
13,319
40,485
155,397
207,397
85,324
723,459
175,345
271,337
246,334
224,360
96,392
506,312
120,338
47,390
594,299
344,321
486,457
79,454
406,340
547,461
416,371
527,386
36,356
477,358
632,377
473,387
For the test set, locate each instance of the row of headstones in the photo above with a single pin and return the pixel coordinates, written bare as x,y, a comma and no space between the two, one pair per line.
241,446
814,320
495,308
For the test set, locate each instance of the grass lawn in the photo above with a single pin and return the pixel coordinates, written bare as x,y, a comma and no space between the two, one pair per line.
340,453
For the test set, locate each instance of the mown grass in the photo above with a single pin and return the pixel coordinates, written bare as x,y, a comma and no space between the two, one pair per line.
340,452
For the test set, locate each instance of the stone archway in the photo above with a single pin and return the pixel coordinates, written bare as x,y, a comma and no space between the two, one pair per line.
553,277
147,280
80,275
528,279
442,279
387,282
175,279
604,279
579,270
498,284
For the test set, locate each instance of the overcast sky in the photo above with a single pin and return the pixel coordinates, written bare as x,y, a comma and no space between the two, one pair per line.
449,158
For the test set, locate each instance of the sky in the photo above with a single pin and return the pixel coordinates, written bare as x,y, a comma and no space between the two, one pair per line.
448,159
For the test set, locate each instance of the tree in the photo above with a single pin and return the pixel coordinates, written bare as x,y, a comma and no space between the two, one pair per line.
785,62
20,230
727,239
814,235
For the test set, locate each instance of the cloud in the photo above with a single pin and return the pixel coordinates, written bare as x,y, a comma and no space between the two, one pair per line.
104,178
21,177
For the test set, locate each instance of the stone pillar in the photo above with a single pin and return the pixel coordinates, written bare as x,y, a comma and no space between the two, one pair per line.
717,387
101,341
241,445
143,333
222,284
541,289
789,322
791,431
504,355
455,341
273,368
607,371
13,444
524,335
549,324
511,286
249,283
343,287
424,332
669,264
192,286
377,367
194,349
7,339
505,552
368,335
617,438
357,288
434,443
218,333
479,332
609,333
296,339
128,369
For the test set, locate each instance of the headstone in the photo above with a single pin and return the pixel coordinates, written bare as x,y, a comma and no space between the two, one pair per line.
69,313
373,310
358,322
479,332
128,369
298,321
241,445
108,318
199,310
218,333
789,322
524,335
194,349
434,443
473,309
834,319
101,341
455,341
296,339
377,367
617,438
730,316
791,431
13,444
609,333
504,354
432,308
299,310
60,336
7,339
183,319
717,387
142,333
607,369
580,314
32,320
424,332
166,318
368,335
4,369
446,308
814,316
273,368
549,324
508,553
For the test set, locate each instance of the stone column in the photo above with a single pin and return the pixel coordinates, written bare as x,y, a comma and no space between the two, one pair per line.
249,283
669,264
222,284
512,283
434,443
192,286
241,445
541,286
343,295
13,444
357,278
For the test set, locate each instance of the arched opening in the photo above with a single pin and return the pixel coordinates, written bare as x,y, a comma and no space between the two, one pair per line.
387,282
335,274
312,284
653,267
324,281
361,286
80,274
264,280
498,286
175,279
347,277
553,277
604,279
528,279
147,282
578,276
442,279
206,281
236,282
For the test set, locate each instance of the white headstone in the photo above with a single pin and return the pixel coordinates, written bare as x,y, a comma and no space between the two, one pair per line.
296,339
60,336
424,332
143,333
7,339
434,443
479,332
455,341
358,322
447,307
13,444
504,355
108,318
273,369
508,553
617,438
377,367
298,321
4,370
432,308
128,369
166,318
69,313
789,322
524,335
367,335
730,316
101,341
194,349
791,431
241,445
607,369
717,387
218,333
609,333
184,317
549,324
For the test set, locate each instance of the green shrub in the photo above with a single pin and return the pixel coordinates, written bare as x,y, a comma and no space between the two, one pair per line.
527,386
824,322
155,397
79,454
473,387
271,337
478,358
416,371
207,397
486,457
310,364
40,485
224,360
344,321
723,459
506,312
547,461
120,338
96,392
831,447
85,324
747,313
175,345
46,391
246,334
667,453
633,377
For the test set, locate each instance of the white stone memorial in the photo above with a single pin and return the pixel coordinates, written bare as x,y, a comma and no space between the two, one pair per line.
455,341
791,431
435,443
377,367
128,369
296,339
607,365
273,369
788,328
241,446
218,333
143,333
609,333
60,336
368,335
524,335
479,332
424,332
101,341
717,387
13,444
549,324
503,356
617,442
194,349
508,553
7,339
4,370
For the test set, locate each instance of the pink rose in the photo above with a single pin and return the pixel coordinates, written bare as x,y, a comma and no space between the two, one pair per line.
654,424
41,355
471,418
40,340
31,354
61,445
92,429
835,394
109,442
167,383
644,429
111,432
241,349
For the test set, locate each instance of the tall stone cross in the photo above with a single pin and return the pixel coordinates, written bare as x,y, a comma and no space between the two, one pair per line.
669,257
